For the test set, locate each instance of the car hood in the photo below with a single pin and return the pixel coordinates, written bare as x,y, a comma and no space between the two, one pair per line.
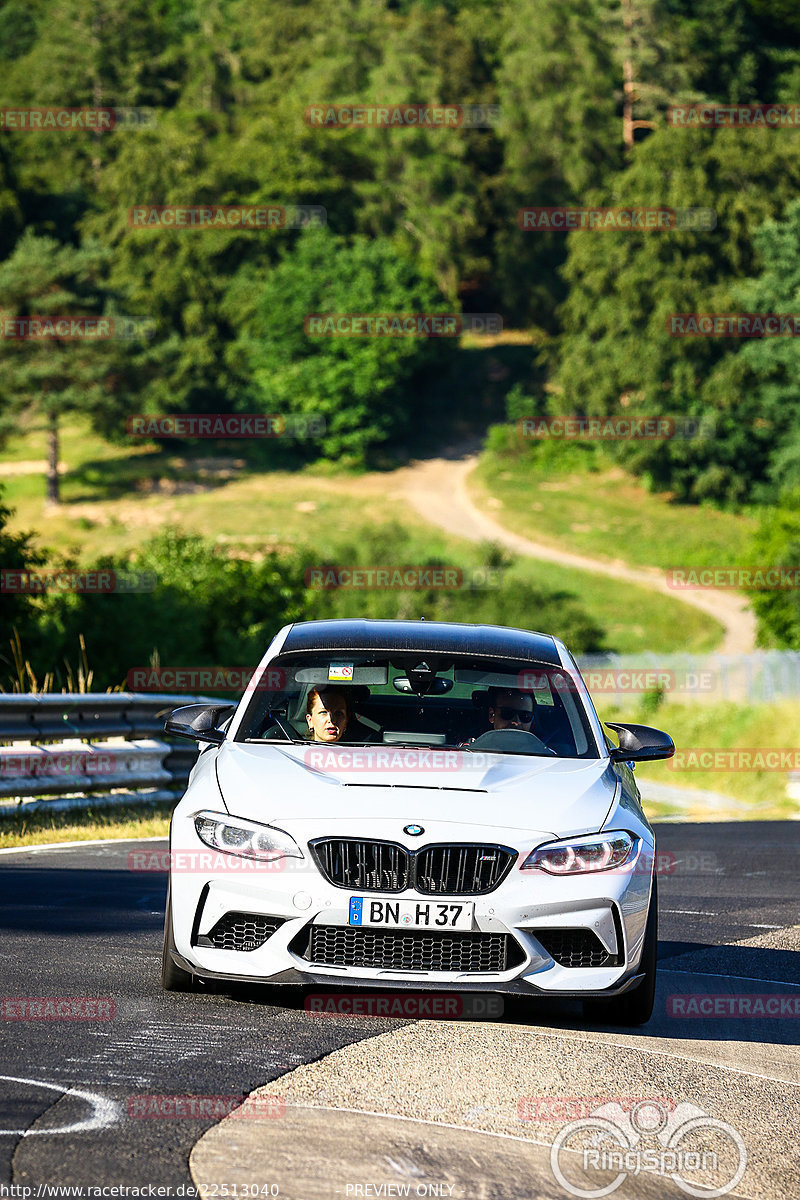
280,785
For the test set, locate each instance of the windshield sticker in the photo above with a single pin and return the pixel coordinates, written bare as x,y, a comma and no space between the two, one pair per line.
340,672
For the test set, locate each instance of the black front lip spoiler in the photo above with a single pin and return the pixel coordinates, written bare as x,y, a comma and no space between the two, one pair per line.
510,987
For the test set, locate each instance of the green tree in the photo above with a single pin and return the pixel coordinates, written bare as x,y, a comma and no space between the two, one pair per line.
765,373
777,544
18,609
361,386
556,83
616,352
48,377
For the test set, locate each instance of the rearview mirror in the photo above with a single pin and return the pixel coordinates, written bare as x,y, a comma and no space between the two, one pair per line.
200,722
436,687
640,743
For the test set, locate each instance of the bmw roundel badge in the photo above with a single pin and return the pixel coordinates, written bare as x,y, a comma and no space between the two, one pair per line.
413,830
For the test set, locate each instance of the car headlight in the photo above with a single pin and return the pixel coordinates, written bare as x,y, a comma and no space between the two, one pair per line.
234,835
577,856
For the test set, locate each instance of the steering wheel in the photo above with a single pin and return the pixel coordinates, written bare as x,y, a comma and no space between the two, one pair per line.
514,741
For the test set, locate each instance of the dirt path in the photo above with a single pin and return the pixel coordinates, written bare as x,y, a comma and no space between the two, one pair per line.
437,490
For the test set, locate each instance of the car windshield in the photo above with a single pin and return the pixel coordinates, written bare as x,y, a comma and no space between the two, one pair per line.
421,700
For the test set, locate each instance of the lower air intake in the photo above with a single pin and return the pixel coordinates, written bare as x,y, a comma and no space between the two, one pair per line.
390,950
575,948
240,931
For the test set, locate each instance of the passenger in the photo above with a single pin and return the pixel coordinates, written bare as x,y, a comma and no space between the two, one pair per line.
327,714
510,709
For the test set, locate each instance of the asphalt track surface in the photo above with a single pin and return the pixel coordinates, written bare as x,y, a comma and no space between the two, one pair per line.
77,922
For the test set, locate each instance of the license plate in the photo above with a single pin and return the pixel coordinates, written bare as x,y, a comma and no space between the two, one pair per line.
410,914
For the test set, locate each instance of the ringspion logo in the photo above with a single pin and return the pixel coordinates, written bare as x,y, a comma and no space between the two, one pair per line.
572,1108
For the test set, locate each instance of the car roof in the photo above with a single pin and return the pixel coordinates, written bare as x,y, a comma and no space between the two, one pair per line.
442,637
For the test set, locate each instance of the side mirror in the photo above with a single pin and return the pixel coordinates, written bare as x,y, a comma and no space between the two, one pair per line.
640,743
200,722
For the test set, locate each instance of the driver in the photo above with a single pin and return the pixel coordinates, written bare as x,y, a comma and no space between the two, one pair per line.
327,714
510,709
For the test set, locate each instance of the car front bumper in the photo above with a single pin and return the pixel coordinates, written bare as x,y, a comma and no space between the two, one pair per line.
526,907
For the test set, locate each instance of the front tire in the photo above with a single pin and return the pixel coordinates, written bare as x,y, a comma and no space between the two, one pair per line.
634,1007
173,977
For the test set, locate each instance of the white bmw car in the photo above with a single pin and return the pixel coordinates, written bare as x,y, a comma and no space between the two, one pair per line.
415,805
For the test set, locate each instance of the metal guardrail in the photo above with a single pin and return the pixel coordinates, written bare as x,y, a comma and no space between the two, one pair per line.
61,751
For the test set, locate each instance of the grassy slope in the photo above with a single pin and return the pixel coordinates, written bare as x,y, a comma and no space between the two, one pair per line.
116,497
605,512
727,725
40,828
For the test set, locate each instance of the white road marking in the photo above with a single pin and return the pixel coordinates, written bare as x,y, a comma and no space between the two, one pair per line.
752,926
105,1112
726,975
689,912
